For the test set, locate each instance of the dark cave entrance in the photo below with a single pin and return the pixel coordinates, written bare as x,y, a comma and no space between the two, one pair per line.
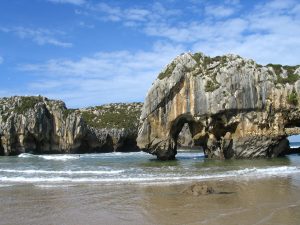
1,147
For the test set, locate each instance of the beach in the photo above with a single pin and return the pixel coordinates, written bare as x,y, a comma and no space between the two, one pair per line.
134,188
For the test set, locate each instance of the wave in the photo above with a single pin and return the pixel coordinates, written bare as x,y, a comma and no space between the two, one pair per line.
64,172
51,186
50,157
26,155
64,157
163,178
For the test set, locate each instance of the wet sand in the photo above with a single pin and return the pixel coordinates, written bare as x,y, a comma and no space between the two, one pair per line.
253,201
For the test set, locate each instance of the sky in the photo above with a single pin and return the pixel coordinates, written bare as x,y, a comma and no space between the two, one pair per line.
92,52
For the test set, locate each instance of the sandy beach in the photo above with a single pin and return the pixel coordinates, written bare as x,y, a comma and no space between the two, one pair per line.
254,201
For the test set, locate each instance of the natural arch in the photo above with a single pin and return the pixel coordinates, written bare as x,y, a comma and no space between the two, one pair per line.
233,106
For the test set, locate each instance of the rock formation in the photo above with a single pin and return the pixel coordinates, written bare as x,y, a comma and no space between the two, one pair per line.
39,125
199,189
235,108
185,139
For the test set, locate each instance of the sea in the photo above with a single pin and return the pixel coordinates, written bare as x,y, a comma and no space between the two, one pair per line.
136,188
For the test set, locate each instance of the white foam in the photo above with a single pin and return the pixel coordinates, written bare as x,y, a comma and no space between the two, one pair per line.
25,155
59,157
295,146
50,157
146,178
51,186
65,172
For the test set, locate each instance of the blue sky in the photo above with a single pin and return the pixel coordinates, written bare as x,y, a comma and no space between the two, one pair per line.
90,52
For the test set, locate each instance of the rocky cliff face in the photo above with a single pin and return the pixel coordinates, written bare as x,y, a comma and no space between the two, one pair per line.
39,125
235,107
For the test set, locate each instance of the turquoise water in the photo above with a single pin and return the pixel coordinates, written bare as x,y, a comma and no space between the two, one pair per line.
136,168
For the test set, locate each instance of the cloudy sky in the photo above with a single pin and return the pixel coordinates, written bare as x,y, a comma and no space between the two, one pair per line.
90,52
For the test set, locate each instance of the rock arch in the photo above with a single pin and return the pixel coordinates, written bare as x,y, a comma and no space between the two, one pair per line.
234,107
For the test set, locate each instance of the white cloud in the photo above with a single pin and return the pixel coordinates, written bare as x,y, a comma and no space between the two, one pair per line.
219,10
266,33
86,25
128,16
74,2
1,60
103,77
39,36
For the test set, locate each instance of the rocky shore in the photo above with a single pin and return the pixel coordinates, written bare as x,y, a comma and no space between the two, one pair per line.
39,125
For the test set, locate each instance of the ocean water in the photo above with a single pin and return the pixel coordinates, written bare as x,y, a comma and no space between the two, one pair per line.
135,188
295,144
135,168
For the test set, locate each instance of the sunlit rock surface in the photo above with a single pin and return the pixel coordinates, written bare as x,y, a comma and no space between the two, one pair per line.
235,107
39,125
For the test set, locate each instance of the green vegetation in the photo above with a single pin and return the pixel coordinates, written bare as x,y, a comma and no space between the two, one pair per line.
168,72
291,79
5,117
291,76
292,98
211,86
27,103
276,68
206,60
197,57
113,116
67,112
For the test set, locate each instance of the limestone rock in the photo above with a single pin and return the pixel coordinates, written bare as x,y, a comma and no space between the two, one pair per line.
185,138
39,125
235,108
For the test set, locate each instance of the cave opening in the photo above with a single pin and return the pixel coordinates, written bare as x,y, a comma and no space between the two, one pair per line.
292,129
184,131
30,144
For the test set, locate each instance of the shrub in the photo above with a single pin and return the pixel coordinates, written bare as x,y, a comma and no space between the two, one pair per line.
292,98
168,72
211,86
27,103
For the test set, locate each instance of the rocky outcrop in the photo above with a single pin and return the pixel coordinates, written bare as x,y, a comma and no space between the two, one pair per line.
235,108
39,125
185,139
199,189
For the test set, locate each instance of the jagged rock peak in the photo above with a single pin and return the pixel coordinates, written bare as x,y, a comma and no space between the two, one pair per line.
228,102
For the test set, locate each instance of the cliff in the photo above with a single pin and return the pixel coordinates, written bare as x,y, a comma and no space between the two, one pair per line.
39,125
235,108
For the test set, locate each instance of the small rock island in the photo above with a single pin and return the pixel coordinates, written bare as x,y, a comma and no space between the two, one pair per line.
234,107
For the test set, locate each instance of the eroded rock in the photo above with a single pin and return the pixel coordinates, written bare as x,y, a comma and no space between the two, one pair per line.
235,108
39,125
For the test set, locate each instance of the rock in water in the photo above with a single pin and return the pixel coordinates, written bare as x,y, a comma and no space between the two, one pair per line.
235,108
199,189
39,125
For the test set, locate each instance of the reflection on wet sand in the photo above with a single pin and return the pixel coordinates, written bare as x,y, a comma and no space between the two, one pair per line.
254,201
270,201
